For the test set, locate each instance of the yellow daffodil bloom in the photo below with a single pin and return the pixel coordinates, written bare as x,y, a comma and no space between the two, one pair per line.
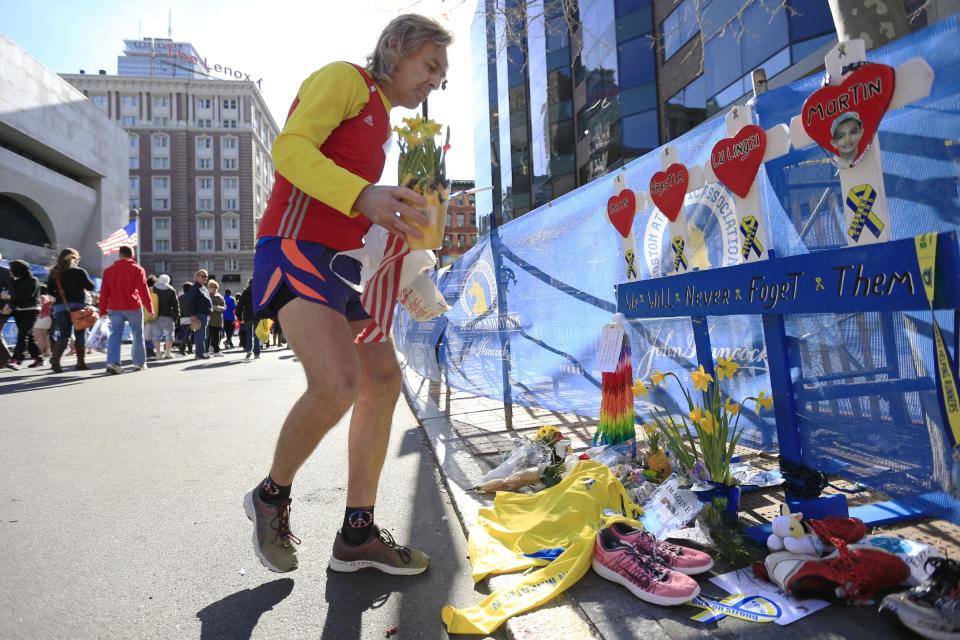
726,367
656,377
732,407
763,402
708,423
697,415
546,433
650,429
701,379
639,389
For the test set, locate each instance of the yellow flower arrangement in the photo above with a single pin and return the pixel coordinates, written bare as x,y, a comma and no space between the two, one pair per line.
422,167
639,389
707,436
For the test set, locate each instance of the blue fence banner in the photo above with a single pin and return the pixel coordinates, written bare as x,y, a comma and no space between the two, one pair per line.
531,298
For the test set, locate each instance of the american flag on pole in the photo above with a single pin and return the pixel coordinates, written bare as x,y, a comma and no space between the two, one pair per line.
124,236
380,295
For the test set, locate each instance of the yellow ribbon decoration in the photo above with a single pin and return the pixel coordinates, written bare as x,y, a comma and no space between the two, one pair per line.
749,228
861,199
679,260
927,258
631,259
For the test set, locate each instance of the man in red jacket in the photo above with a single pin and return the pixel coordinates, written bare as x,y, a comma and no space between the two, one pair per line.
123,296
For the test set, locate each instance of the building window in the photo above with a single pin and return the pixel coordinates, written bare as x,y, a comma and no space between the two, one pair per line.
131,102
161,121
206,265
204,164
231,264
229,103
134,192
228,164
100,101
129,121
204,123
229,123
204,143
161,245
460,220
679,27
205,232
161,102
461,241
205,244
161,266
161,193
204,104
228,143
231,244
473,239
449,219
447,241
160,151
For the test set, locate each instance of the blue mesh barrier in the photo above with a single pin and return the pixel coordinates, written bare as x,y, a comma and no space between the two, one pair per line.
867,405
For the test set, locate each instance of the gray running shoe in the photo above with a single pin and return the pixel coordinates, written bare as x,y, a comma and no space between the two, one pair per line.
114,368
380,552
931,609
273,542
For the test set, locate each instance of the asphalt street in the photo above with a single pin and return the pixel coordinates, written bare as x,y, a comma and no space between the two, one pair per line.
121,514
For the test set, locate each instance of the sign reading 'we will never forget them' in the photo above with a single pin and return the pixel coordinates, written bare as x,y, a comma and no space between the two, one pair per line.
878,277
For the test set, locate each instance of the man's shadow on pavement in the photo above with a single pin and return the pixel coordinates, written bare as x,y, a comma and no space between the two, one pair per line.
350,595
237,615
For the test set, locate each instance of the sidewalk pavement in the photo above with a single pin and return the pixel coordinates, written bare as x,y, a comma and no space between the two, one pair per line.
468,435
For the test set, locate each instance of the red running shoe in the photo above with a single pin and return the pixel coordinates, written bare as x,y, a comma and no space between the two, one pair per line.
854,573
682,559
644,575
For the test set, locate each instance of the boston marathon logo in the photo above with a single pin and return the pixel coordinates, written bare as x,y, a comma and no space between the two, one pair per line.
861,199
478,291
711,230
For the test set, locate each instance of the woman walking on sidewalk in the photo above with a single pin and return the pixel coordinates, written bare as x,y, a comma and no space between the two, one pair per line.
216,319
68,279
24,299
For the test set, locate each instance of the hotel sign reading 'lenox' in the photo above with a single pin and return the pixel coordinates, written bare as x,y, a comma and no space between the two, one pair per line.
171,50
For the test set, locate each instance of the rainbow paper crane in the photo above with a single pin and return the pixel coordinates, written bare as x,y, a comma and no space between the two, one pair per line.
616,403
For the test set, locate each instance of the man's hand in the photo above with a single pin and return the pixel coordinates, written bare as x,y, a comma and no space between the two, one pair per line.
381,205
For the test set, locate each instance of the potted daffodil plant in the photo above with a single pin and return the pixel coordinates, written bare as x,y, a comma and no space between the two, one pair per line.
423,168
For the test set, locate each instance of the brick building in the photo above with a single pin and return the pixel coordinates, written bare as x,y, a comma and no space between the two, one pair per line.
461,230
200,168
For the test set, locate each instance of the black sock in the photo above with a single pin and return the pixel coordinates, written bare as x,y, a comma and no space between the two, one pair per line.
357,524
273,493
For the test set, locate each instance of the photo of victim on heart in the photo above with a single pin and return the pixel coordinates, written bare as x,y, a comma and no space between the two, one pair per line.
846,132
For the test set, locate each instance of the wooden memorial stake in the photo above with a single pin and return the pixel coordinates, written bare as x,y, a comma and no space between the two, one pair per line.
735,162
621,209
668,188
864,91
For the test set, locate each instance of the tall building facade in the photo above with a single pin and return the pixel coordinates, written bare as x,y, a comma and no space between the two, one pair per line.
160,57
200,170
461,228
566,91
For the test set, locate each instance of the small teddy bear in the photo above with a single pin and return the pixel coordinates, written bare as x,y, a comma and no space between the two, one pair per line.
791,533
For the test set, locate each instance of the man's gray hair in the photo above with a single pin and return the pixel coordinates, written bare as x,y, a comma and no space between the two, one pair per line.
402,37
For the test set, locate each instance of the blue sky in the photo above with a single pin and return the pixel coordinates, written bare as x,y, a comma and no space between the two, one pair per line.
281,42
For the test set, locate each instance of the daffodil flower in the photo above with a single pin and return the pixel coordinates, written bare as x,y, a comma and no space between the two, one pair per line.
732,407
697,415
701,379
656,377
763,401
639,389
726,367
708,423
650,429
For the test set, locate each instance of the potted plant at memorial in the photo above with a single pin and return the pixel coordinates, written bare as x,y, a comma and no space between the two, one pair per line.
422,168
702,442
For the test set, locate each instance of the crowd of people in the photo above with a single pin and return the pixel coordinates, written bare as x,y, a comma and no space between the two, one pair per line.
53,319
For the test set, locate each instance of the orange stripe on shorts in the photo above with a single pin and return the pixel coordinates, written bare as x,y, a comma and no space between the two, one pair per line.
272,285
296,257
304,289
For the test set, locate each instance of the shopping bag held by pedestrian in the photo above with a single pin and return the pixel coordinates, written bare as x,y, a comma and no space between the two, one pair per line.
263,330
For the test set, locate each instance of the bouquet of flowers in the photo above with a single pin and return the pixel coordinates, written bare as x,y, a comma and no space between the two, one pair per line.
702,442
423,169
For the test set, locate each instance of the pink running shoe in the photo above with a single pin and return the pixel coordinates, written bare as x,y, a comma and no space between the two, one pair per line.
645,576
677,558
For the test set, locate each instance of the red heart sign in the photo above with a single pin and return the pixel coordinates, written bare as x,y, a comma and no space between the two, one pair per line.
737,160
620,209
844,119
668,188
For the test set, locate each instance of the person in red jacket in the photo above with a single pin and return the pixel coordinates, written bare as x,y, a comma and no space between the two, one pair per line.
123,297
328,160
